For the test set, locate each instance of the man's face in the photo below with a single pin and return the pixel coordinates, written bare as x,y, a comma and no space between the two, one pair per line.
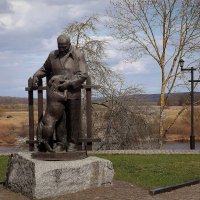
63,48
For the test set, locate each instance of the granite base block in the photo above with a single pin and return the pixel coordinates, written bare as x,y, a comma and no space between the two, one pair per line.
38,179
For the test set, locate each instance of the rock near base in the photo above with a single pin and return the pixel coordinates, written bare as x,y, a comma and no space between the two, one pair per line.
38,179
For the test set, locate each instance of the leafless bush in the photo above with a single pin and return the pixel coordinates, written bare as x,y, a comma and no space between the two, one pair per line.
186,120
123,120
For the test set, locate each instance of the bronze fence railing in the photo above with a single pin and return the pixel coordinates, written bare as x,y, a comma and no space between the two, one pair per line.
87,141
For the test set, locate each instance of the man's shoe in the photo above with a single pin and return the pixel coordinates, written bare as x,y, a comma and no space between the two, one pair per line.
47,146
60,147
72,147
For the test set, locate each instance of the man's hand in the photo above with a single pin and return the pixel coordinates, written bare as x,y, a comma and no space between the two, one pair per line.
35,82
64,86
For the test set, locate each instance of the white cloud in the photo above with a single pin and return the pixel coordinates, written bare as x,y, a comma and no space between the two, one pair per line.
111,47
116,58
127,68
29,29
16,18
33,15
49,43
111,53
28,15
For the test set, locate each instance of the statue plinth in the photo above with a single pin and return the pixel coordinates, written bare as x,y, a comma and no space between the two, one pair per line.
61,156
41,179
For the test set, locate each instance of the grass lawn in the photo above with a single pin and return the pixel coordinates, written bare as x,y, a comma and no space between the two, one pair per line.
3,167
147,171
152,171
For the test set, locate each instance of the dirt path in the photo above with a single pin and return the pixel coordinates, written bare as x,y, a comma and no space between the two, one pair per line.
117,191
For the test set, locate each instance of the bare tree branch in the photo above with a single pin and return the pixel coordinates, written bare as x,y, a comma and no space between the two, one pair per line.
141,23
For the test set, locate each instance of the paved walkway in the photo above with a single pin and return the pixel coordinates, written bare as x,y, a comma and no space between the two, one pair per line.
150,151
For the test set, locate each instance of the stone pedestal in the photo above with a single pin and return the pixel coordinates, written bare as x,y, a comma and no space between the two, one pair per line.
39,179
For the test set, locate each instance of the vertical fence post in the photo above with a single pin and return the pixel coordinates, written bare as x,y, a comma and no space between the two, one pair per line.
89,112
31,115
80,126
192,136
40,102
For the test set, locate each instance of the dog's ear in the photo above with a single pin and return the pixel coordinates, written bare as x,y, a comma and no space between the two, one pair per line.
50,82
61,81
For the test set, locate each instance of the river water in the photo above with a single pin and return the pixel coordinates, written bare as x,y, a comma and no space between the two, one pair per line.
180,146
166,146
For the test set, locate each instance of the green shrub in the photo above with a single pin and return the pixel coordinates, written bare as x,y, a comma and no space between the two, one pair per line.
3,167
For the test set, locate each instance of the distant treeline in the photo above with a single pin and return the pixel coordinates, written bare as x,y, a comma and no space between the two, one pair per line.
6,100
14,103
176,99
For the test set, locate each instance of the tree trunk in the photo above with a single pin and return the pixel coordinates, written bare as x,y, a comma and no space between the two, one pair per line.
162,107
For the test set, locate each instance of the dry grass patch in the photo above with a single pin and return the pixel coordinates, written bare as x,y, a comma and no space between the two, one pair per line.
181,128
7,134
12,125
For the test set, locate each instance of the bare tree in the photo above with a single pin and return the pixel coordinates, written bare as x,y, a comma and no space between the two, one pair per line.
165,30
123,113
84,35
127,121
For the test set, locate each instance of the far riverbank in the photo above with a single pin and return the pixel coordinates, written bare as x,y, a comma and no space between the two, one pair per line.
167,146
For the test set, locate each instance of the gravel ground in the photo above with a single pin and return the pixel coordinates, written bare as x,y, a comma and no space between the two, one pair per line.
126,191
117,191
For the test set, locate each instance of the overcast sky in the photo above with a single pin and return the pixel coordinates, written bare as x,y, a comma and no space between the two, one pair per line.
28,32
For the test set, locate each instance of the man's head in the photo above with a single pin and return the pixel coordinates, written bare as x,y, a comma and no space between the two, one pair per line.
63,44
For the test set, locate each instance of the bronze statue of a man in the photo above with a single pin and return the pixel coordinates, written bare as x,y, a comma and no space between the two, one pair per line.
65,70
